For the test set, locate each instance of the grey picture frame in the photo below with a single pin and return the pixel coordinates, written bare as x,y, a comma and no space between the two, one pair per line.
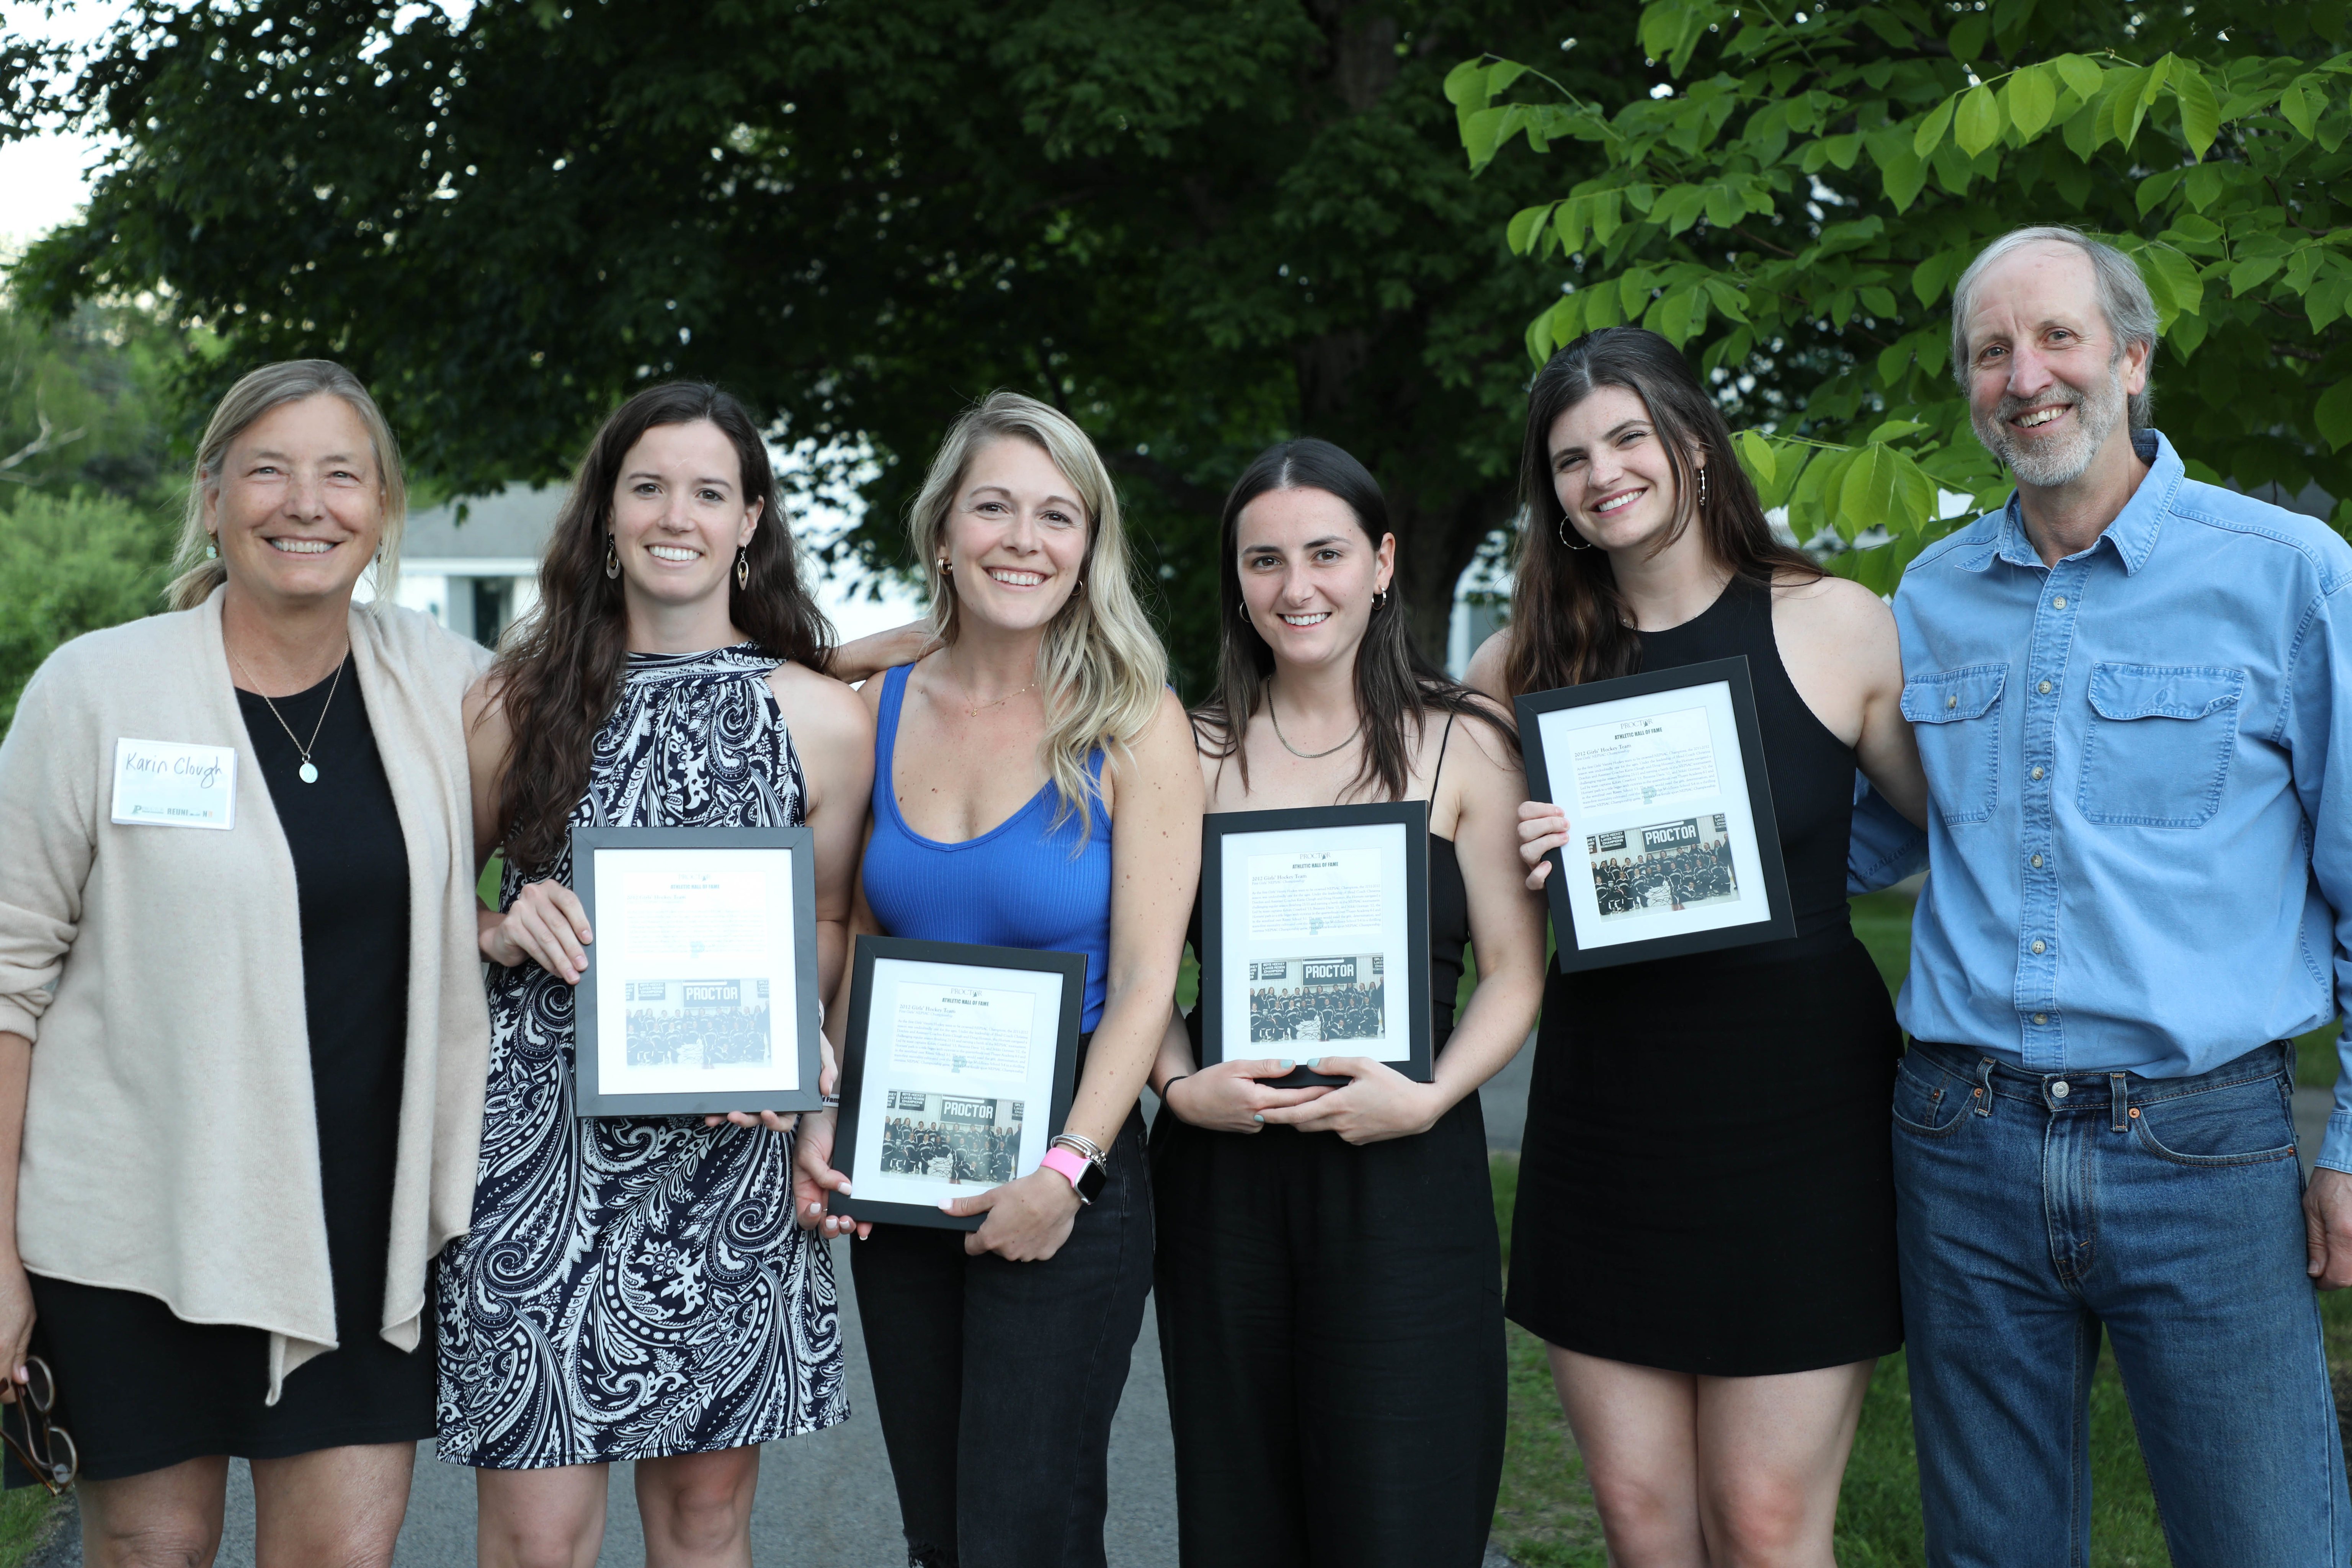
589,1097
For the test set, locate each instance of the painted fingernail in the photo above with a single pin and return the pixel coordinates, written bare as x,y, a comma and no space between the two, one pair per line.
1288,1064
844,1189
1257,1119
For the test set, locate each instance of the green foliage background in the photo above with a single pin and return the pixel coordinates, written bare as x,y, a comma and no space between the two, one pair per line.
88,512
1795,210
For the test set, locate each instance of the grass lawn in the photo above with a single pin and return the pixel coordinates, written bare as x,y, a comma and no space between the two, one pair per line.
1544,1518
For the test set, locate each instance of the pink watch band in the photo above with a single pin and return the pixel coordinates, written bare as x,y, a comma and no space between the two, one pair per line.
1068,1162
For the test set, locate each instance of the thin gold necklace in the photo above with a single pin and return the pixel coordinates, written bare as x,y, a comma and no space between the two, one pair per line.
309,772
970,711
1308,756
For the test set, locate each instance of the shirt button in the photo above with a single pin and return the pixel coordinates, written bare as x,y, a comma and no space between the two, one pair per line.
2037,862
2059,1090
1951,702
2060,601
2042,1017
2039,945
2045,688
2037,772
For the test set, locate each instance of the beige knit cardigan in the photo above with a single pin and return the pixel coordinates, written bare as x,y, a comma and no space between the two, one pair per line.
171,1144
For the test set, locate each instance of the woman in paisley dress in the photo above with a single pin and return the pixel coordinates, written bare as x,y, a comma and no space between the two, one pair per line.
634,1288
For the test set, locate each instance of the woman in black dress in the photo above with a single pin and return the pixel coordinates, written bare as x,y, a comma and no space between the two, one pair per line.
1327,1283
1704,1234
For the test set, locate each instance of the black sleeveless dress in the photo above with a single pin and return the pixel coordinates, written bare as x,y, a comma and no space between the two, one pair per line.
1331,1325
1705,1184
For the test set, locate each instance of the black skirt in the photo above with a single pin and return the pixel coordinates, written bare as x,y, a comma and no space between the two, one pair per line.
140,1389
1706,1184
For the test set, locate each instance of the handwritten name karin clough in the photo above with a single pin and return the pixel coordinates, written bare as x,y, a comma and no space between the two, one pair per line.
199,772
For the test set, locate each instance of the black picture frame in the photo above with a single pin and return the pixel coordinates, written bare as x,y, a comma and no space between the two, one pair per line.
1217,828
591,1096
1779,922
857,1094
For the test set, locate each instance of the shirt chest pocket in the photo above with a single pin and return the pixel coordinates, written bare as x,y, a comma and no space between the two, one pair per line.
1956,714
2157,750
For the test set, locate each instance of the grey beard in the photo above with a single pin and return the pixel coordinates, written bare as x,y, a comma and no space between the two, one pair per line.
2046,465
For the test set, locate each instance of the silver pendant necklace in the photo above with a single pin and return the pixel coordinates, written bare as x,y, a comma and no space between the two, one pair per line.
1309,756
309,772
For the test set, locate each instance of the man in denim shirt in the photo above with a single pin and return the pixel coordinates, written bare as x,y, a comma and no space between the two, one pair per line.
2127,686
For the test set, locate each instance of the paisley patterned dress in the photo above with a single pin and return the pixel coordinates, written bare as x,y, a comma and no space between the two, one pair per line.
636,1287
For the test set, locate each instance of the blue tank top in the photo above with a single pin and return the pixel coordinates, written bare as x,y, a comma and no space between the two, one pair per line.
1017,885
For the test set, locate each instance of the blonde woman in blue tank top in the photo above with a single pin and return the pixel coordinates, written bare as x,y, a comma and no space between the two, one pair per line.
1035,786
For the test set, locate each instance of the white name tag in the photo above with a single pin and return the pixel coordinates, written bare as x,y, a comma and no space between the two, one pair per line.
169,784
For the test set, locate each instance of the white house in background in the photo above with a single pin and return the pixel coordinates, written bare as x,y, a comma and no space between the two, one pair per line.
479,576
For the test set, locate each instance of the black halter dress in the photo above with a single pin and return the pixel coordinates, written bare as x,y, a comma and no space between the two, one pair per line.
1707,1182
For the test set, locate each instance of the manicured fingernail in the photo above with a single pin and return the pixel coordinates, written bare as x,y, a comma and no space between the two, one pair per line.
1315,1066
1257,1119
1288,1064
844,1189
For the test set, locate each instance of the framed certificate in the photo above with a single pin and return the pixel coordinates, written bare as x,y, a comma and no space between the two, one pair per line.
1672,847
956,1069
701,993
1314,936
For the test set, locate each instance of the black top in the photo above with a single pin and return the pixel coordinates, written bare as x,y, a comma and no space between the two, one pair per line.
351,873
1810,770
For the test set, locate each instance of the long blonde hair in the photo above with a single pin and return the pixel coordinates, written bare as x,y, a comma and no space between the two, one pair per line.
255,395
1101,668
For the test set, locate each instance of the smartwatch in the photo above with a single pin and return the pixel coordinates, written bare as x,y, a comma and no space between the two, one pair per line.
1087,1176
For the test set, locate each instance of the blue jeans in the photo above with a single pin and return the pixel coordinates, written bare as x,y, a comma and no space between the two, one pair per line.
2034,1210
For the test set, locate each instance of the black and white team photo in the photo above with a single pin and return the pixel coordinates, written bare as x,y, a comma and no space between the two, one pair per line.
951,1139
1319,999
1668,865
696,1022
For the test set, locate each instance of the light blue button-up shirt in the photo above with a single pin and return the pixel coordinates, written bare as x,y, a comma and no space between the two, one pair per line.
2141,855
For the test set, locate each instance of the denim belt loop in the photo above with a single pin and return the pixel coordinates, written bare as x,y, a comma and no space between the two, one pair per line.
1984,1087
2121,1099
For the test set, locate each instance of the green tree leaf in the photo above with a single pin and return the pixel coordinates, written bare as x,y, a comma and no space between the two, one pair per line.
1931,130
2301,112
1903,177
2201,116
1756,452
2033,98
1976,125
2082,75
2334,415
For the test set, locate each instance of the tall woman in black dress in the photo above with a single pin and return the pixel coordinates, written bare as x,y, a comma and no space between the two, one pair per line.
1705,1233
1327,1278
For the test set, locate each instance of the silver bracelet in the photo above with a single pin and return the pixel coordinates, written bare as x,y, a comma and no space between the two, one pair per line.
1083,1146
828,1102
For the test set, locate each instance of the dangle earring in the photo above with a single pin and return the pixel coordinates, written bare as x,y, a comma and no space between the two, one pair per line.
742,566
212,547
612,557
1563,535
1701,487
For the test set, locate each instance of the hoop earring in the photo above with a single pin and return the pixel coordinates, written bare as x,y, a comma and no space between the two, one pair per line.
947,567
1381,600
1563,535
612,557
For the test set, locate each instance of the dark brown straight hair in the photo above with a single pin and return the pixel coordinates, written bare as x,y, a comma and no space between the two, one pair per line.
558,677
1569,621
1393,682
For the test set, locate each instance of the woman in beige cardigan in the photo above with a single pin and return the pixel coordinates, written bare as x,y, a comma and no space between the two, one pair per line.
242,1032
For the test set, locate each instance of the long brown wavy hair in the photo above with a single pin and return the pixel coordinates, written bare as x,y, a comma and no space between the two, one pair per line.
1395,685
559,674
1570,623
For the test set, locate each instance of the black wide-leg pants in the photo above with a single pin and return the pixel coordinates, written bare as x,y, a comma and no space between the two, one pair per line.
1331,1323
996,1382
